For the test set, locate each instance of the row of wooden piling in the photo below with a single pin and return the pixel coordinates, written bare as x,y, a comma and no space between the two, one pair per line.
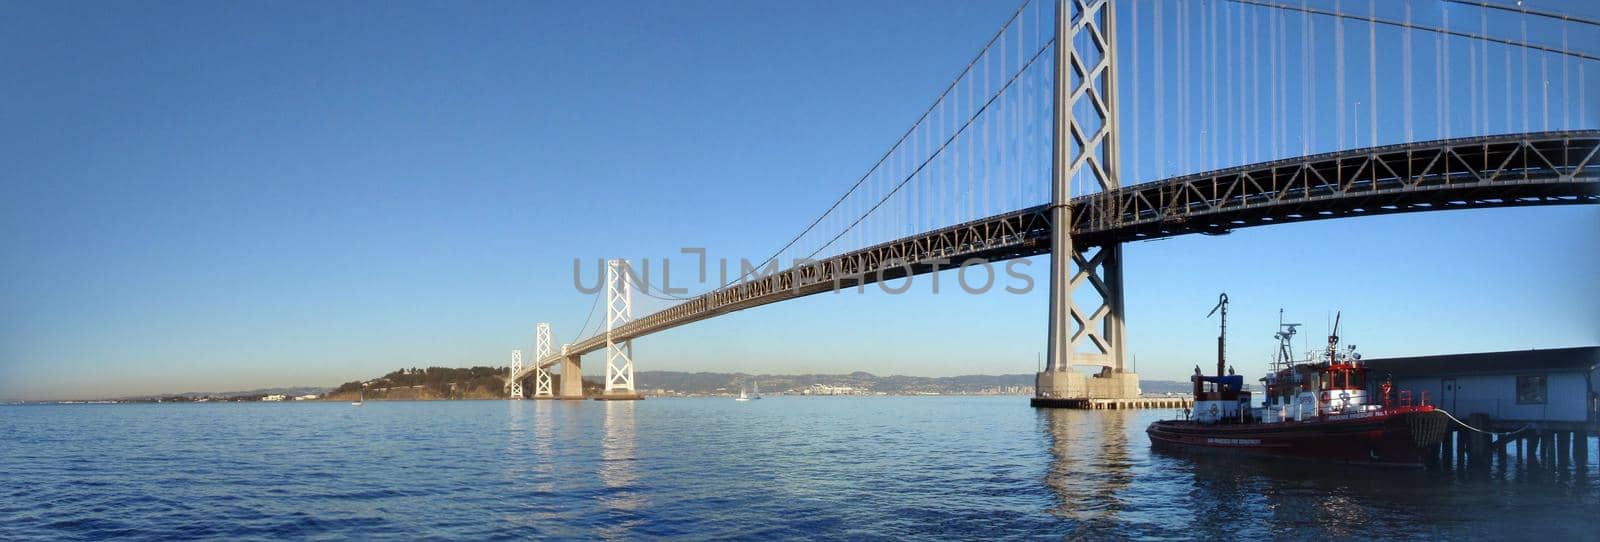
1552,445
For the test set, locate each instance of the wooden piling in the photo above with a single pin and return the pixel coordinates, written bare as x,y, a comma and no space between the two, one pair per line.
1479,441
1534,438
1447,451
1580,448
1564,448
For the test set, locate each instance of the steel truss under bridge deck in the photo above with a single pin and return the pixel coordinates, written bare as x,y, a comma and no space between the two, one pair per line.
1469,173
1548,168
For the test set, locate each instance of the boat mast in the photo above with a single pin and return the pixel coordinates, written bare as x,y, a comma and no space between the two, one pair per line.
1285,337
1222,336
1333,339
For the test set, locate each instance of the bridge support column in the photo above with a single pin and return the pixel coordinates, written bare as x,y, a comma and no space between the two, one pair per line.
1085,149
571,376
514,383
619,351
541,350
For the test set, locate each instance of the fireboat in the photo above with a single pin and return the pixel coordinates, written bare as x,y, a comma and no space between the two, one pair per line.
1316,409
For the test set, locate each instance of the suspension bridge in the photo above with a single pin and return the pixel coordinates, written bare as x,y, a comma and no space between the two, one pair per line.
1221,114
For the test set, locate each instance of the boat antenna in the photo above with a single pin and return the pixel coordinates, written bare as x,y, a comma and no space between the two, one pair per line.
1333,338
1222,336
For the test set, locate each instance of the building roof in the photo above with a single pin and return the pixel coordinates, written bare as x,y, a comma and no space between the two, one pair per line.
1577,359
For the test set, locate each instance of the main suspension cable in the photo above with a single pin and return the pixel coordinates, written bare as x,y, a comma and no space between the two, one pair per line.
897,143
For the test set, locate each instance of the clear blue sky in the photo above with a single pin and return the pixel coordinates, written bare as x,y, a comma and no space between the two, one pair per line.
217,196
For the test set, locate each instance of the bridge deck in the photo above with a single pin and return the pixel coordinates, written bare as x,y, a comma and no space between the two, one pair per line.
1550,168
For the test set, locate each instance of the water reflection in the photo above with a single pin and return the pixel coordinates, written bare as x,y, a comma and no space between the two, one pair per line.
1231,496
1090,465
621,498
542,443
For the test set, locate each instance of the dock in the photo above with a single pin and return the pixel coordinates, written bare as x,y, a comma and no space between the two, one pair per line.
1112,404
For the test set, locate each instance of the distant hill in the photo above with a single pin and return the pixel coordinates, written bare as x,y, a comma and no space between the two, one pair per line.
717,383
487,383
290,391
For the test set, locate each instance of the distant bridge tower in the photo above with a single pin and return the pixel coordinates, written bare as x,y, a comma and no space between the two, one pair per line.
1085,149
515,383
541,350
619,311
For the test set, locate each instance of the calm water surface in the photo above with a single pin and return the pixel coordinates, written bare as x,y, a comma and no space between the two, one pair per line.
782,467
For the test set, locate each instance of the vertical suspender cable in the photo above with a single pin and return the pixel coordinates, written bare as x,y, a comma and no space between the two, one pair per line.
1372,72
1253,89
1524,73
1440,82
1272,75
1308,87
988,175
1566,121
1016,123
1405,74
1506,75
1483,58
1338,71
1208,63
1472,86
1159,107
1544,91
1183,88
1240,130
1133,130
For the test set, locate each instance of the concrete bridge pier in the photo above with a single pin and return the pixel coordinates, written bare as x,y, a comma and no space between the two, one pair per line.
571,376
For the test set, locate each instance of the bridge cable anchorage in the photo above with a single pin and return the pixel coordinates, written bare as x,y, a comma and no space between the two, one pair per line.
1036,55
1525,10
892,148
1400,24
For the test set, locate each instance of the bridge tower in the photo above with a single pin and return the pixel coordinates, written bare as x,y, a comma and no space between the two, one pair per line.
1085,150
541,350
619,311
515,382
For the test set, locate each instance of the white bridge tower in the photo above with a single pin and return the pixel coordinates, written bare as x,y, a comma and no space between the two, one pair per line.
515,382
541,350
619,312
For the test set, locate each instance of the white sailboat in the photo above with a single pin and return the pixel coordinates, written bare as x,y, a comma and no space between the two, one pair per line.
758,390
361,397
742,396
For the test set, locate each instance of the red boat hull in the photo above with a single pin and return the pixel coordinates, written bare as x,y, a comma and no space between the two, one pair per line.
1396,437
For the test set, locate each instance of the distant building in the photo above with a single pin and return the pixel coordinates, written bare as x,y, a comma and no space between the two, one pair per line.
820,389
277,397
1554,386
307,397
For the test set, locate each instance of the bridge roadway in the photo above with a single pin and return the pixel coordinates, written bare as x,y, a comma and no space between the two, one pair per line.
1546,168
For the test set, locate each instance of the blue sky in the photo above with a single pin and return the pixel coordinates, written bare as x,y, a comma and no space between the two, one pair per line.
208,196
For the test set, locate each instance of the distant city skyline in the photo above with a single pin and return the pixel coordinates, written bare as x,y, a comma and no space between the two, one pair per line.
208,197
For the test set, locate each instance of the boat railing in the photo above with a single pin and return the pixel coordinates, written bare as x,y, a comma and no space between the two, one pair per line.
1405,398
